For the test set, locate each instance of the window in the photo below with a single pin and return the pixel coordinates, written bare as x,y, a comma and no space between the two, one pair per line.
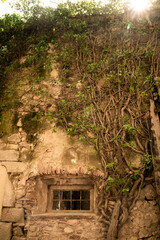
70,198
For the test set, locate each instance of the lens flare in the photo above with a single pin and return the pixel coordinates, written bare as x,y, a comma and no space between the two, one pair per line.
140,5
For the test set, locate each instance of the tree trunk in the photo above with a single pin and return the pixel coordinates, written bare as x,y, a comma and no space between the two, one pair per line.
155,121
112,231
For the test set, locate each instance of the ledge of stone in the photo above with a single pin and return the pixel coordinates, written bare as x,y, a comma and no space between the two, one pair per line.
63,215
9,155
17,167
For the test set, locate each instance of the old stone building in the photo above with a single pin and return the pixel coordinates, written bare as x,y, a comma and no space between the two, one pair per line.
47,189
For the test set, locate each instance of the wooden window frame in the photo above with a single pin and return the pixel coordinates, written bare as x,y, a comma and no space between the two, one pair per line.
51,188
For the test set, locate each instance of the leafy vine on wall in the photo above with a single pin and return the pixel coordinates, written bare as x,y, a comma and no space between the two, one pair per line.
108,61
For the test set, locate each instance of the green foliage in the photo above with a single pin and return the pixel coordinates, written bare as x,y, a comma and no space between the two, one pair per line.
107,62
28,8
120,184
147,161
111,165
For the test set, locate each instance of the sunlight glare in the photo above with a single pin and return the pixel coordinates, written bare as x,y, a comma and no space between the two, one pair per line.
139,5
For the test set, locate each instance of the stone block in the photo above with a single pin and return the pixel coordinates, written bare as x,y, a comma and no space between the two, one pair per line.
20,192
14,138
17,231
149,192
9,155
17,167
3,179
13,215
12,147
2,144
9,196
19,123
72,222
68,230
5,231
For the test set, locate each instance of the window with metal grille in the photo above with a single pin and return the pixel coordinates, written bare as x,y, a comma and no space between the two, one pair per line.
71,200
67,198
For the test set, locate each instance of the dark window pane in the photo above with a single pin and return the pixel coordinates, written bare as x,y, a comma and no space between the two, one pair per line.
85,205
56,205
56,194
76,205
65,205
66,195
86,195
75,194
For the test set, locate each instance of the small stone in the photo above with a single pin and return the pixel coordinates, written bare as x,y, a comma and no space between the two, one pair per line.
33,228
79,85
19,123
149,192
20,193
72,222
68,230
17,231
54,73
20,130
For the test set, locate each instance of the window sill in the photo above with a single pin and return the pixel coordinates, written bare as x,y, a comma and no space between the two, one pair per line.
63,215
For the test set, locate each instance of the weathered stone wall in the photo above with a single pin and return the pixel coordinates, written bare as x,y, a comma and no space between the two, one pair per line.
66,227
33,150
143,221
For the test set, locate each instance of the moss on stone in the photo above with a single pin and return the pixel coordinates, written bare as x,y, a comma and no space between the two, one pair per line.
32,124
8,122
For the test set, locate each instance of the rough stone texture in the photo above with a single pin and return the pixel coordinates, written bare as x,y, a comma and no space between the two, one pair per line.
14,138
148,193
5,231
2,144
19,123
9,195
143,222
17,231
20,192
3,179
9,155
13,215
12,147
66,227
133,158
16,167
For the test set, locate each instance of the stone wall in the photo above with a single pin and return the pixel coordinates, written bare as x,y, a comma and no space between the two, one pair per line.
143,221
66,227
32,151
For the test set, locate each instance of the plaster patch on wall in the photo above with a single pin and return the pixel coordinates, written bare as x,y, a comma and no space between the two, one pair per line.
56,150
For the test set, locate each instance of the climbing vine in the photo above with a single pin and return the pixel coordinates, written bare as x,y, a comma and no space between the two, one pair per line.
108,64
108,60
